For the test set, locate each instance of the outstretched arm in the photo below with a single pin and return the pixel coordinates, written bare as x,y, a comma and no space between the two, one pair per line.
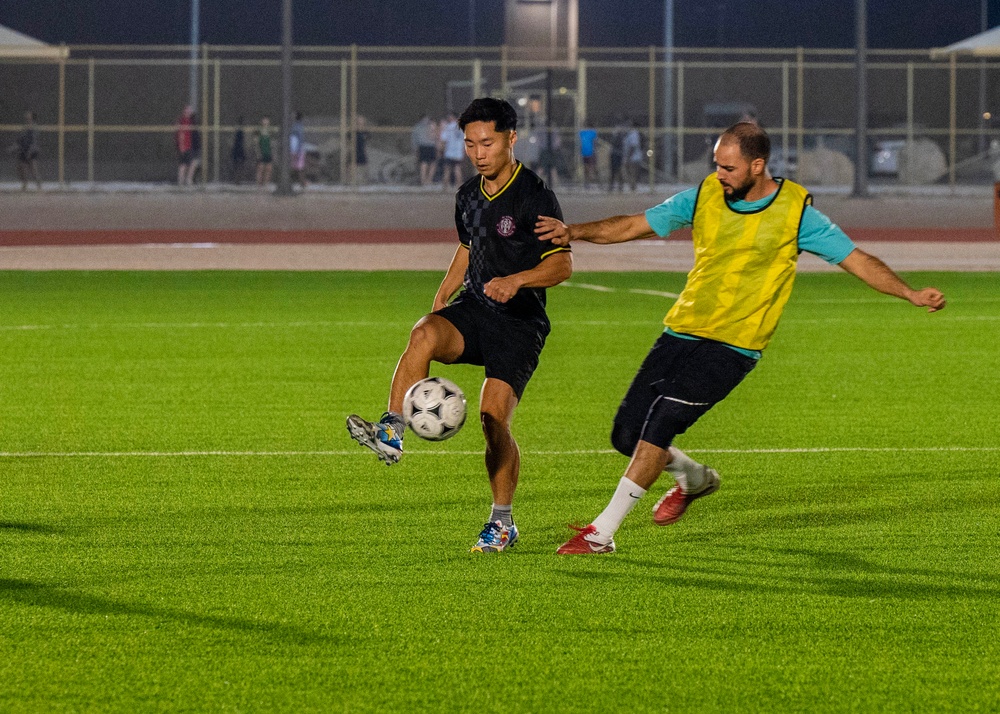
452,279
881,277
551,271
617,229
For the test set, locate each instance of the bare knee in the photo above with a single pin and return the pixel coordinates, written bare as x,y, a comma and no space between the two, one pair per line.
422,338
433,338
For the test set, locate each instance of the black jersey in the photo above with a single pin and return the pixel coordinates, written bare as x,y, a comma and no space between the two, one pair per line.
499,231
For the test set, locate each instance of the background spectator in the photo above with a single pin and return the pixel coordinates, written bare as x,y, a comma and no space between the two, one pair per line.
424,142
588,154
265,158
26,149
453,150
632,153
238,154
297,149
183,139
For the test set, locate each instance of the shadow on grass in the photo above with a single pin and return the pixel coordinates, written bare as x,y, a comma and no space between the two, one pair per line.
29,527
754,519
34,594
836,573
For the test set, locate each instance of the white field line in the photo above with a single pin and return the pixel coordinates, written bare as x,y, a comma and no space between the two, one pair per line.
588,286
606,289
655,293
441,452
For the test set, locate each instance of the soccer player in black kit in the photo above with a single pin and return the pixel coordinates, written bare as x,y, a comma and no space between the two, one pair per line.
498,320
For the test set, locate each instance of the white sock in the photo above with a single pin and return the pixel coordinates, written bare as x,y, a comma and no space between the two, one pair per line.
689,474
626,496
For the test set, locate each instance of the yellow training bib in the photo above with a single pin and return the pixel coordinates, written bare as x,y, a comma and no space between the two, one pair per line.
744,267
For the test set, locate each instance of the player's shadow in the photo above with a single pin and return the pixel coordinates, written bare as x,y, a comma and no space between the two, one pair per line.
767,521
26,592
29,527
837,573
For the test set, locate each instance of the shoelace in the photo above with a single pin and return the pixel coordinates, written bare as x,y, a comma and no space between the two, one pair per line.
387,420
490,534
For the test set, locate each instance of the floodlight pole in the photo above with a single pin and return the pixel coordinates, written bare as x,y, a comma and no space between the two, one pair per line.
668,89
861,152
193,70
284,162
548,126
983,27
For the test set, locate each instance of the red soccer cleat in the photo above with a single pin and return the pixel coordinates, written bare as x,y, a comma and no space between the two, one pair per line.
671,507
584,544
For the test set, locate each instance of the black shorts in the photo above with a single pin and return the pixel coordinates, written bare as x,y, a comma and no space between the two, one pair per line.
678,382
507,347
426,154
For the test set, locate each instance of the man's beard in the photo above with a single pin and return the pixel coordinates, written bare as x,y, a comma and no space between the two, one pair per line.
740,192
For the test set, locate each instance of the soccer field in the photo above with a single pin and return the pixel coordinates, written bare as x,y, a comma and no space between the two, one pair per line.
186,525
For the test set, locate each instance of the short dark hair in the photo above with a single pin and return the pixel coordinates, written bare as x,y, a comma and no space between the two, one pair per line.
498,111
753,141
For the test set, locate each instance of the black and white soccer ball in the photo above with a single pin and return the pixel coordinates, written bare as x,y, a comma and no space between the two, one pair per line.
434,408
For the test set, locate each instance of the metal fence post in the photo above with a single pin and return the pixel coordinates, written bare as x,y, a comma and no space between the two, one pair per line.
354,115
680,122
909,106
477,78
343,122
215,122
204,114
651,152
90,120
581,114
800,75
504,89
784,117
62,121
952,120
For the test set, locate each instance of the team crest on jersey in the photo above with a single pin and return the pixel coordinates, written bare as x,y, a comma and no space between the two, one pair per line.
506,226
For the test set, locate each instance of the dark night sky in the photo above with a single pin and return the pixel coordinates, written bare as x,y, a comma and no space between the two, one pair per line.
699,23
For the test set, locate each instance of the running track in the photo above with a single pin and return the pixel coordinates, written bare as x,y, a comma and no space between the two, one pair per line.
409,236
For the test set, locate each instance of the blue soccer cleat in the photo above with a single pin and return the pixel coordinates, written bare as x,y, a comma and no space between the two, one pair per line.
384,437
495,538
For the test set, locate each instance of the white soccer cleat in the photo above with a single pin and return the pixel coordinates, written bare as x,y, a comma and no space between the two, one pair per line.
384,437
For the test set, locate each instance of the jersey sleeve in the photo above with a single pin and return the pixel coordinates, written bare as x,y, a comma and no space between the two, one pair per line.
463,235
676,212
824,238
544,203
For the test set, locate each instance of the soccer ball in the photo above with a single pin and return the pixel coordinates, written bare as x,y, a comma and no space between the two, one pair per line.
434,408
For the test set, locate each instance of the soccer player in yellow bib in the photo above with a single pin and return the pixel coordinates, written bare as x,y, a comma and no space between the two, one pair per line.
748,230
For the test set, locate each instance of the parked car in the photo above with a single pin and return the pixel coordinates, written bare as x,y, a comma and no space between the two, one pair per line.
885,157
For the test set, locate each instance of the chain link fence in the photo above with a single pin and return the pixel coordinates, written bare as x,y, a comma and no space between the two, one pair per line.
109,113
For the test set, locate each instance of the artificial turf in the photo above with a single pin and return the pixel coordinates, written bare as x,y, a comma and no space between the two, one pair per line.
186,525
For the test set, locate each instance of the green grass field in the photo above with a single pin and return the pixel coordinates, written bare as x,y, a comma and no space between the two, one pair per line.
185,524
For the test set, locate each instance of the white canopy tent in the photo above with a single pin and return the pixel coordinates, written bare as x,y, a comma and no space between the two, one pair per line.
985,44
16,45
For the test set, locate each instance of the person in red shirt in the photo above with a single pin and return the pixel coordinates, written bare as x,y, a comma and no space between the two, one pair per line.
184,138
